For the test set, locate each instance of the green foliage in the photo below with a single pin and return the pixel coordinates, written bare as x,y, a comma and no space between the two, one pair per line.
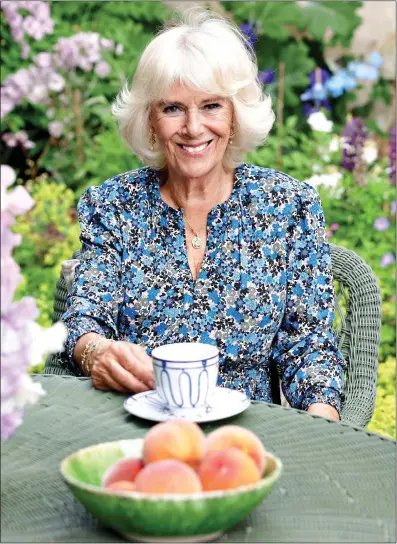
293,34
50,235
384,418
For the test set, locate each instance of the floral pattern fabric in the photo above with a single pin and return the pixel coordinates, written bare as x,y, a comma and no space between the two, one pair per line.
264,294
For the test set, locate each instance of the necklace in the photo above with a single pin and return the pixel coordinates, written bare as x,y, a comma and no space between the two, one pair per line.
196,241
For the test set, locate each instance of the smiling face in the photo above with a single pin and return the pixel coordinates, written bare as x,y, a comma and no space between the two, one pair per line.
193,128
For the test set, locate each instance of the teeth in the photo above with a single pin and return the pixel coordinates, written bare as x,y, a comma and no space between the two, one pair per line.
195,149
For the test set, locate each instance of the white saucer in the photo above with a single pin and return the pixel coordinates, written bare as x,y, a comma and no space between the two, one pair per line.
224,403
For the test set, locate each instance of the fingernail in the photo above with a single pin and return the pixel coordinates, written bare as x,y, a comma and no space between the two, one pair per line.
151,384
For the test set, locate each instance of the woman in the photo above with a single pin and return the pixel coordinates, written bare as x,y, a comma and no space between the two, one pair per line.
198,246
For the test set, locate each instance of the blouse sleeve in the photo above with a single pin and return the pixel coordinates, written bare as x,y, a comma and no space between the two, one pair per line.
310,366
92,305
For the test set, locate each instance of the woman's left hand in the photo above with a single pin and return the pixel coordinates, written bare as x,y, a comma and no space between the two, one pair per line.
324,410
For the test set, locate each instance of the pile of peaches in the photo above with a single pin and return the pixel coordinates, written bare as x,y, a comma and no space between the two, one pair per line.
179,458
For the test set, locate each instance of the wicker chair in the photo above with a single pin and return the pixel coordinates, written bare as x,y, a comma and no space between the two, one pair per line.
357,326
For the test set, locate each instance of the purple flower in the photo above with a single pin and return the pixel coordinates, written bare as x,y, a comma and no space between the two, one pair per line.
392,155
249,31
387,259
354,135
308,109
381,223
393,207
319,75
266,76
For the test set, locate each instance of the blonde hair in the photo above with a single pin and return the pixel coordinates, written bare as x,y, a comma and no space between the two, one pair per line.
206,52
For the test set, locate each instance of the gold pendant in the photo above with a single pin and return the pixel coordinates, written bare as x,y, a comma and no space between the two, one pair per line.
196,242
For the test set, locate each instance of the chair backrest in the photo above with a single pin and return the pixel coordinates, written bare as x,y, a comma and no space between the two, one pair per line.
357,327
358,312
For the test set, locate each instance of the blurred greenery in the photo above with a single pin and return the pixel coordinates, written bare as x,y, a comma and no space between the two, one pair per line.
57,170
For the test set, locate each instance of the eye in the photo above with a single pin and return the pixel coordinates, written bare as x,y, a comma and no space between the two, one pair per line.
213,106
171,109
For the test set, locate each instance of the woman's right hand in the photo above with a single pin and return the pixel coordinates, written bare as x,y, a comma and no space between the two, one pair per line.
121,366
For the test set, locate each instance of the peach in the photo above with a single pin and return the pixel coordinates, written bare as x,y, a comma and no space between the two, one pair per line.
125,469
234,436
227,469
175,439
121,485
168,476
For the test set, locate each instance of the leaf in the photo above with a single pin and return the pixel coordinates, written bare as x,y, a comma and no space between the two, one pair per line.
341,17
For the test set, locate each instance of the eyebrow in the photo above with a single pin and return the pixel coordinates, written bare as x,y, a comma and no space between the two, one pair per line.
176,103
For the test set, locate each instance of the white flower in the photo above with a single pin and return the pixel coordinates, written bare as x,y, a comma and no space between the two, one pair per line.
330,181
370,152
119,49
334,144
316,168
55,128
56,82
46,341
319,122
38,94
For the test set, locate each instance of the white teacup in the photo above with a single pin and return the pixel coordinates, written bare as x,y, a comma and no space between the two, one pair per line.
186,373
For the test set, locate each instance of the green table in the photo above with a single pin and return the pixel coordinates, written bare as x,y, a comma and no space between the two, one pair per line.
338,483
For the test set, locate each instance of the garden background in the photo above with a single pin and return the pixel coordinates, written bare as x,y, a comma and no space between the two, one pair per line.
64,62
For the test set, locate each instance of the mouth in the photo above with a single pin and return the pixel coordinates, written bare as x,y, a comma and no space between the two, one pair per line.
195,149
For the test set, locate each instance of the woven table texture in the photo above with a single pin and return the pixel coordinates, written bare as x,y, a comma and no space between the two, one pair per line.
338,482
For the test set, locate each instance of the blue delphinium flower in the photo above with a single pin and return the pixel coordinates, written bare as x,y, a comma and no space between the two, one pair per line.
375,59
363,71
342,81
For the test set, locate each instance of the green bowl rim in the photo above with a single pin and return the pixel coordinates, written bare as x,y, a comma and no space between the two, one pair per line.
177,497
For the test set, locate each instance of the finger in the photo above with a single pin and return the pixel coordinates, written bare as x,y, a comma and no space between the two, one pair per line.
105,382
126,379
141,368
140,353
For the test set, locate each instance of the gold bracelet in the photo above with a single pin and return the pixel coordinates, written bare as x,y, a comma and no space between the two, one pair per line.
84,356
86,362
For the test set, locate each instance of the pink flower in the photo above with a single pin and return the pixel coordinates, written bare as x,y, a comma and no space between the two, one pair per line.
43,60
25,50
106,44
387,259
329,234
102,69
381,223
19,201
8,177
334,226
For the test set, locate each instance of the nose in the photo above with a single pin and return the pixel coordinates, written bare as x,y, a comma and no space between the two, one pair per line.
193,123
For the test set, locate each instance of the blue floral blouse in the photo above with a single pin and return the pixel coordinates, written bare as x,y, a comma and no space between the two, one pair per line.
264,294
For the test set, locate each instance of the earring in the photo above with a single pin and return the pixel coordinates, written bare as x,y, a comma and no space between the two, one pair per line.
152,139
231,136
